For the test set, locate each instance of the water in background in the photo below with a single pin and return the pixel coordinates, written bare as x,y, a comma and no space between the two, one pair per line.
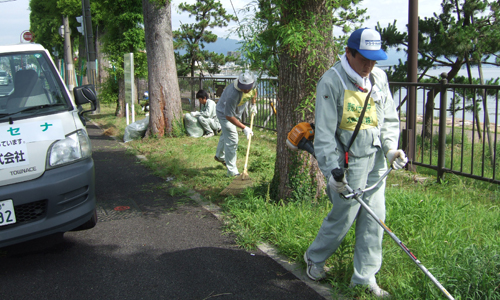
488,73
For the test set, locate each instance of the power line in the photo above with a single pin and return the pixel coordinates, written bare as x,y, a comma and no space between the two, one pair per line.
237,19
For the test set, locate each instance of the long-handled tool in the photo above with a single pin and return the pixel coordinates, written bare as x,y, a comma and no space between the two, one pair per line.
356,195
242,181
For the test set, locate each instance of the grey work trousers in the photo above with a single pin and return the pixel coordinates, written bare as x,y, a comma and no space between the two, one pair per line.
226,148
363,172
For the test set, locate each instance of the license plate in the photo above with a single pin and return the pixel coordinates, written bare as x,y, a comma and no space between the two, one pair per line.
7,215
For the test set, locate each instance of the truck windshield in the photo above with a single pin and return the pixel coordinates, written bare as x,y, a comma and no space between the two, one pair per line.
28,85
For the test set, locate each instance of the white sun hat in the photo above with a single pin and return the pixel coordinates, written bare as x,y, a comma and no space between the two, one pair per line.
246,81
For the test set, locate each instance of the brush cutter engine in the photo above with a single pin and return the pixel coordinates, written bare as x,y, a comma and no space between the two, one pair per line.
301,137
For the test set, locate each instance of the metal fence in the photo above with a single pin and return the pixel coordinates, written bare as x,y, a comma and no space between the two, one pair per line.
266,96
457,138
463,136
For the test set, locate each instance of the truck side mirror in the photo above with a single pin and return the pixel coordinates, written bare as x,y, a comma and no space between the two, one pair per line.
85,94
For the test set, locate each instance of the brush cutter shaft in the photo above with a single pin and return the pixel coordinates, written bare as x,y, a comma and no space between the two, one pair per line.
368,188
356,195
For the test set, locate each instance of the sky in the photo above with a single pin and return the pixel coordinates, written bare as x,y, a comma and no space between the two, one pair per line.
14,15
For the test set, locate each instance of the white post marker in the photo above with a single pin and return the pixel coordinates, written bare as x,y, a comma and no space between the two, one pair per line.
128,69
126,113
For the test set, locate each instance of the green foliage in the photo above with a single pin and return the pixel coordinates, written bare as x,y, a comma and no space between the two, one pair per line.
108,92
46,18
124,33
267,31
178,129
182,63
71,8
193,37
121,21
302,186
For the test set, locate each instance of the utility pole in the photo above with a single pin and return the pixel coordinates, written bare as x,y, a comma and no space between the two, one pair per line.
90,46
68,56
411,116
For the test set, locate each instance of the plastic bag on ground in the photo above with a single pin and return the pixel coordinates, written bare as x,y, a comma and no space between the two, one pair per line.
136,130
192,126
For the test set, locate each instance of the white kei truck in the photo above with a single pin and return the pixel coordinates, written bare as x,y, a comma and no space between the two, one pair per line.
47,181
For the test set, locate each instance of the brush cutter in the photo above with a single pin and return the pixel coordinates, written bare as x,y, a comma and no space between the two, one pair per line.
356,195
242,181
301,137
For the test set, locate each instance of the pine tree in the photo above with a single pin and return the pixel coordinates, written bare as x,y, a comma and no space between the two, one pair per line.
194,36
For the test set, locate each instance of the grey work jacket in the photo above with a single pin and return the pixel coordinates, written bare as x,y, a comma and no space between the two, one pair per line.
208,109
228,102
330,141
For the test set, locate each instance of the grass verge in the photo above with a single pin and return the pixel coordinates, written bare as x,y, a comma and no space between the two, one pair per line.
453,228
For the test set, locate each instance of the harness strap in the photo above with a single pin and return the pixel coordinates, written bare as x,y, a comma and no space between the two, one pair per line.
360,120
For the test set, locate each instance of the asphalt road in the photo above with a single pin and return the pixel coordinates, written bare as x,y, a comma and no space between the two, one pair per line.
147,245
5,89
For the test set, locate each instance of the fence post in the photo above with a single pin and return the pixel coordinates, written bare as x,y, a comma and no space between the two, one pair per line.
442,127
193,94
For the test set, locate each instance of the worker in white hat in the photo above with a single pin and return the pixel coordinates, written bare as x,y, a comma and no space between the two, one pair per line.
340,99
229,110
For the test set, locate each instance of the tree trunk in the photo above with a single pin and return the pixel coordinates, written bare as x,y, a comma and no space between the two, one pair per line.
429,104
120,102
164,95
474,106
486,115
297,173
102,61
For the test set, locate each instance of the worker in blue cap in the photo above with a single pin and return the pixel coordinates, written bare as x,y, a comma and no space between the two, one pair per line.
340,100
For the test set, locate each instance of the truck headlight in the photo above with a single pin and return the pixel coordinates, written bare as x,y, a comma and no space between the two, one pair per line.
74,147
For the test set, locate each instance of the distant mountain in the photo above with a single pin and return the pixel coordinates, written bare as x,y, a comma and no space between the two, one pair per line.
221,46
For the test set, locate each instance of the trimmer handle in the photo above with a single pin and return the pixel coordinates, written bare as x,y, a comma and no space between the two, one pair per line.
338,174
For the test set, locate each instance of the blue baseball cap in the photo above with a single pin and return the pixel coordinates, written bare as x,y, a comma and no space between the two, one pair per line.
368,43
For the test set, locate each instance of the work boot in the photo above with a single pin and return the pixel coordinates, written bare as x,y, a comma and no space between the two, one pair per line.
375,290
313,271
220,160
208,135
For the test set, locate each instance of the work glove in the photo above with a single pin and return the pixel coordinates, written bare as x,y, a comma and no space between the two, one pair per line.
253,109
338,186
195,113
248,132
397,159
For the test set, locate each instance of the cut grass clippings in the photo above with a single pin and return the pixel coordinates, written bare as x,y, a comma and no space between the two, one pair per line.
452,228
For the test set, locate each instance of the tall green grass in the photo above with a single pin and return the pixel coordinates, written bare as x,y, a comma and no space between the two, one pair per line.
453,228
